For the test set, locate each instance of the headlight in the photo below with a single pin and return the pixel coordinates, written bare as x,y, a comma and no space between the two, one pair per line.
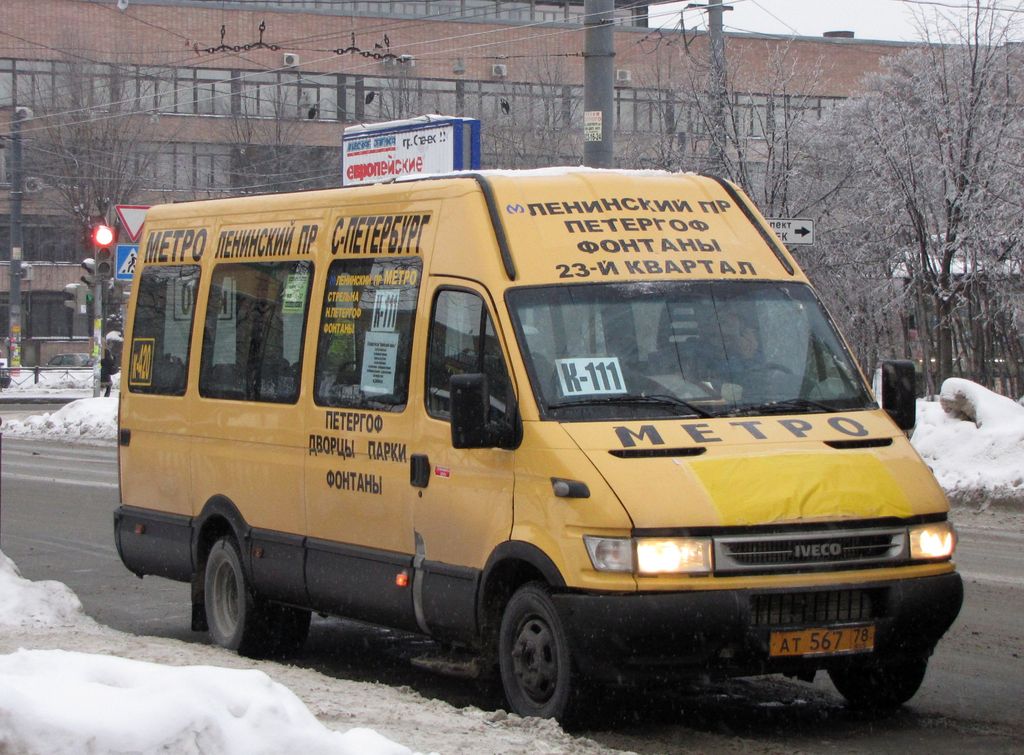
673,555
932,541
668,555
610,553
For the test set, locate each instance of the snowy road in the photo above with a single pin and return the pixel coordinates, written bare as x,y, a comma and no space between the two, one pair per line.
55,523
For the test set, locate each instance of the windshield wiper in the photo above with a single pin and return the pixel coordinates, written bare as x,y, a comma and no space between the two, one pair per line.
786,406
651,399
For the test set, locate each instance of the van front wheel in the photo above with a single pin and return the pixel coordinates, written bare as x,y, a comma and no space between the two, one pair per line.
534,657
879,686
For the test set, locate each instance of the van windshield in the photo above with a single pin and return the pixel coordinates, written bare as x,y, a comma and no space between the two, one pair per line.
620,351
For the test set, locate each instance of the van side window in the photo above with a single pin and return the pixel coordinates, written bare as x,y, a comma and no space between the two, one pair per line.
255,325
162,331
462,340
366,330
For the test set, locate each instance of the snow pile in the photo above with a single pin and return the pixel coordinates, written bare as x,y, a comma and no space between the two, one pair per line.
73,687
56,701
35,604
93,418
973,439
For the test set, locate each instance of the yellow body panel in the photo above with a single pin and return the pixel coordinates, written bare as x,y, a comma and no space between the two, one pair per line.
762,471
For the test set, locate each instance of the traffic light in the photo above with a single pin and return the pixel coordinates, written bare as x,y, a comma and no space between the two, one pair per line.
76,297
103,239
89,266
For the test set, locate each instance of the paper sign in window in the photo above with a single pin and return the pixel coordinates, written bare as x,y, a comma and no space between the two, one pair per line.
590,376
380,351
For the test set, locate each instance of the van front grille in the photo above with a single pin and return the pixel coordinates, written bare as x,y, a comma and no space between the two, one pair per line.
808,550
805,608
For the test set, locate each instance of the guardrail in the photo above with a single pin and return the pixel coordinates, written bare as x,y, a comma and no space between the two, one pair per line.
56,377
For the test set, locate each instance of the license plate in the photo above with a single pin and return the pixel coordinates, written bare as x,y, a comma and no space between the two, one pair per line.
823,641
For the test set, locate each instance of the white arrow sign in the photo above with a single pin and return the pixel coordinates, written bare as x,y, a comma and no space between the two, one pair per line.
793,230
132,217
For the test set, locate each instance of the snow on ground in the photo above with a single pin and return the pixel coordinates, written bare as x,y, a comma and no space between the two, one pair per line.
119,693
69,685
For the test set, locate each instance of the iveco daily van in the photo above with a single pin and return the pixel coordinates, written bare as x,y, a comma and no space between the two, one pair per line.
589,426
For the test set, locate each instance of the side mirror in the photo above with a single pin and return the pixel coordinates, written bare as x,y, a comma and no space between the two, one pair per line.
470,409
894,388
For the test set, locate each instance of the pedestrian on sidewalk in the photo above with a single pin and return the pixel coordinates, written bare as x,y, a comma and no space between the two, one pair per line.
106,371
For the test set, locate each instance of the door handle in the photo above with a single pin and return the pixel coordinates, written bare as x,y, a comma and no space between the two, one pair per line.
419,471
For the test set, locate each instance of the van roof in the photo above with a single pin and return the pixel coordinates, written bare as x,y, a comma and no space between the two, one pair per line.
565,224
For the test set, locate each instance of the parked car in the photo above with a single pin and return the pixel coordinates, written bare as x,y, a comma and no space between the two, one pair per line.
77,359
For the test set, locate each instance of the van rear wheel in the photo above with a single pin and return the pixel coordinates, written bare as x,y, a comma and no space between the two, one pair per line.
238,619
879,686
536,664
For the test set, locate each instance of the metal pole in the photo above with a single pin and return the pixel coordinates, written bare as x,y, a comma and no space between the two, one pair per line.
17,180
599,84
97,332
719,93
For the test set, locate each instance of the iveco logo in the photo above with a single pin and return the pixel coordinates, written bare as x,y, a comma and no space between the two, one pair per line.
515,209
817,550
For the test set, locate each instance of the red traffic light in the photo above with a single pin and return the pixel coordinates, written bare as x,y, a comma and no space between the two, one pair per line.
103,235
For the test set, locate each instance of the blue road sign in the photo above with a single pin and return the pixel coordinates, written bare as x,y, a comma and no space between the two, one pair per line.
126,256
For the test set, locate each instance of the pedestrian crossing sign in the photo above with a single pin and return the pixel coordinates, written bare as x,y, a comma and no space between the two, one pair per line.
126,256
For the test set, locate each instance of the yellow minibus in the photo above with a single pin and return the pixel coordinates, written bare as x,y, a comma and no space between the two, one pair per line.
582,427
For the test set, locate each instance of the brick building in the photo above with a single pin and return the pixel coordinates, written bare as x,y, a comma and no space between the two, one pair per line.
146,101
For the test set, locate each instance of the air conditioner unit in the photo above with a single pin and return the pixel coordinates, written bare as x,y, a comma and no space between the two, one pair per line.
499,70
623,76
33,184
291,59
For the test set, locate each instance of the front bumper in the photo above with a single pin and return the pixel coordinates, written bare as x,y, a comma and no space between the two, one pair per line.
644,635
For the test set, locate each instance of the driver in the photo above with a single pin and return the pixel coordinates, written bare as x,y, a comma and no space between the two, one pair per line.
742,374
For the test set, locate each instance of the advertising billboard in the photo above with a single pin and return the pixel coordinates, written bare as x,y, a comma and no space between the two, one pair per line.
427,144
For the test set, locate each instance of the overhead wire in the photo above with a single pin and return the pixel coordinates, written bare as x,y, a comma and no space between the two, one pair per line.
432,20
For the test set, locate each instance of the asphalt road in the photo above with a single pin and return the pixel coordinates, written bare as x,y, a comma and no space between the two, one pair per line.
56,523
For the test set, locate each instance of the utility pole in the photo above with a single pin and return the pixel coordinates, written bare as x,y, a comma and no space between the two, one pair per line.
599,84
14,270
719,92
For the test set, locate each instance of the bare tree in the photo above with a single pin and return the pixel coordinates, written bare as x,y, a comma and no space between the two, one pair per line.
270,150
770,118
89,140
532,124
932,136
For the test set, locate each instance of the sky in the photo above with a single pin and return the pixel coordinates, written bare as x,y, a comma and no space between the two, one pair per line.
868,19
69,685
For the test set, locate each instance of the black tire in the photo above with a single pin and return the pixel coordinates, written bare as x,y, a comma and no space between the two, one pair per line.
879,686
534,658
236,619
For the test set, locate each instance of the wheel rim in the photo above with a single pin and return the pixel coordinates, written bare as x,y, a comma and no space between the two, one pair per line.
535,659
225,598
